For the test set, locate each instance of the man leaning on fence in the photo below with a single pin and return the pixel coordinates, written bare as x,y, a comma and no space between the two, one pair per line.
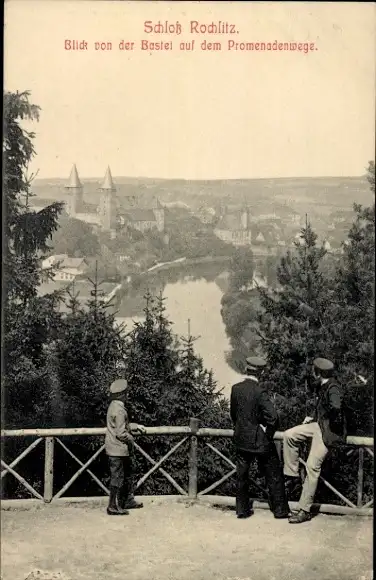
119,444
327,428
255,422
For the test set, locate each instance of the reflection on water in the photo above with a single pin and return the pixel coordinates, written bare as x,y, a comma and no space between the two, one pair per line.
195,297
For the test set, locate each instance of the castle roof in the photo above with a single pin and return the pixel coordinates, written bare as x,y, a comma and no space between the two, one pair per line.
231,222
139,201
66,261
264,234
74,180
108,183
140,215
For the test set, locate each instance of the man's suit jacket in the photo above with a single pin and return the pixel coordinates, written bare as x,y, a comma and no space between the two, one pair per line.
250,408
330,414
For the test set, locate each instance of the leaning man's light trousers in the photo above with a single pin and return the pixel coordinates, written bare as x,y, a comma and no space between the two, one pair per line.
292,438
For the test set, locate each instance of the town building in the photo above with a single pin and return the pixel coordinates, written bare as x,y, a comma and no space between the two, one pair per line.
234,227
64,268
241,229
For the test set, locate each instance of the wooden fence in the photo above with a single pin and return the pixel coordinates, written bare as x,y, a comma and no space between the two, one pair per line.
357,448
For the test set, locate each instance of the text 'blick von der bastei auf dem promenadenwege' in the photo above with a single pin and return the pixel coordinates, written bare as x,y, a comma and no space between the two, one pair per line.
165,36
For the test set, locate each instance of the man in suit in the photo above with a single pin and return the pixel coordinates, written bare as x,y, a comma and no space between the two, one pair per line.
255,422
119,445
327,428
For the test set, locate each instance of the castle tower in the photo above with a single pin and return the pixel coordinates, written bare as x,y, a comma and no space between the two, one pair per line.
159,214
244,218
107,203
75,193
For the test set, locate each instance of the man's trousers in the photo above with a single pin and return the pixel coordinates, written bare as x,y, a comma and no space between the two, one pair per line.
121,470
292,438
270,467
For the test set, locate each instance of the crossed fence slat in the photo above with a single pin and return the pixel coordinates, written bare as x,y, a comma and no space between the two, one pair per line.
21,456
98,481
368,504
228,475
78,473
157,466
21,480
331,487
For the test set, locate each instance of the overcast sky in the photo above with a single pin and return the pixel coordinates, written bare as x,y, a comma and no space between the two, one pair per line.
196,114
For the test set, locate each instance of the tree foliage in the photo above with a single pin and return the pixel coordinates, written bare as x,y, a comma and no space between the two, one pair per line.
75,238
28,318
240,308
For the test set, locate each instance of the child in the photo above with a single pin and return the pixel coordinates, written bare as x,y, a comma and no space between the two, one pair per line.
119,444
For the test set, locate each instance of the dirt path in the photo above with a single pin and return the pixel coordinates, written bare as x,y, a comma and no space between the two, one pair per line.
177,542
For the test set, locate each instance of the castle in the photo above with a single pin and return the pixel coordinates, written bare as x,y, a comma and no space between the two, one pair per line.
113,212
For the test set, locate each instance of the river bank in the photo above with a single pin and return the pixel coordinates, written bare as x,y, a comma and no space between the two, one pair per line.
121,288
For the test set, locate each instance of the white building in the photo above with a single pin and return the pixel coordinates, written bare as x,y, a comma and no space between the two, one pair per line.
64,267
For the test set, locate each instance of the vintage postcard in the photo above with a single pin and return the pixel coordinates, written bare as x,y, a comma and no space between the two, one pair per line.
188,290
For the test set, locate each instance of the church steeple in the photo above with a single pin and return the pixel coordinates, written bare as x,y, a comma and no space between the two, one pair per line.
75,191
108,183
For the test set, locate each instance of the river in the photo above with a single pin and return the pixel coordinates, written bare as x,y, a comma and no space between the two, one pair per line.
190,295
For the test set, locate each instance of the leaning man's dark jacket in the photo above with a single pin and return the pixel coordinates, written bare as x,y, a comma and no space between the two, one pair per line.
250,408
330,414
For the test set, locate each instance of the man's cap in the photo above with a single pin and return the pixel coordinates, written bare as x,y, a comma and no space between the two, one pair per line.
255,362
118,386
323,364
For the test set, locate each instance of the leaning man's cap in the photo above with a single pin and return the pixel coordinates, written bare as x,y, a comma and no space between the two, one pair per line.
118,386
255,362
323,364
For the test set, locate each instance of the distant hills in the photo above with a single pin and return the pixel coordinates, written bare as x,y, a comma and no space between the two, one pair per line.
317,195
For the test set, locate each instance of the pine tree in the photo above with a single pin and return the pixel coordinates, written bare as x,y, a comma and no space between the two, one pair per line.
87,354
292,325
29,319
151,363
353,316
196,394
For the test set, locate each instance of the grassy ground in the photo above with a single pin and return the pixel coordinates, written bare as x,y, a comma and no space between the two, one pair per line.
175,541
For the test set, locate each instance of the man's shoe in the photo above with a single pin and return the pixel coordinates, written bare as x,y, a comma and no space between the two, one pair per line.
112,511
283,516
246,515
300,517
133,505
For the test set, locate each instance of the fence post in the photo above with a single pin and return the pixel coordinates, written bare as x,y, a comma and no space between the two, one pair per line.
49,469
360,477
192,483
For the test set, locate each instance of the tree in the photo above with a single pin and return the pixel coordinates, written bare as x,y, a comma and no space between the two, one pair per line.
29,319
196,393
151,363
86,355
75,238
102,268
371,175
353,315
241,269
292,324
353,310
240,308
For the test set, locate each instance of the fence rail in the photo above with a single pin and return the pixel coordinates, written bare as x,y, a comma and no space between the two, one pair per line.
360,446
